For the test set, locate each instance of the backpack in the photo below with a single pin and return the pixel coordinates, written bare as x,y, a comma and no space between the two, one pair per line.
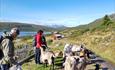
34,41
1,38
1,52
43,40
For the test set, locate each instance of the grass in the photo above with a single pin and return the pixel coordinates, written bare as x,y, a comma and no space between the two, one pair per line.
102,43
32,66
106,52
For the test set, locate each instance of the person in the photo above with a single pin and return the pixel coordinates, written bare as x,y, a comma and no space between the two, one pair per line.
39,41
7,47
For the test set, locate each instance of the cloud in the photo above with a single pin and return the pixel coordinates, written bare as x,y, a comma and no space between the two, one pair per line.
67,21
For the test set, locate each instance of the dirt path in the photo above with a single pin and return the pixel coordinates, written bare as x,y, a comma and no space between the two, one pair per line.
103,65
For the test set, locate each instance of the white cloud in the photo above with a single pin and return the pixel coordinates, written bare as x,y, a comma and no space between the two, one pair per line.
67,21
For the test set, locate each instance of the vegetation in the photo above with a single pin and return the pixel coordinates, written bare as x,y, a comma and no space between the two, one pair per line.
32,66
107,21
99,38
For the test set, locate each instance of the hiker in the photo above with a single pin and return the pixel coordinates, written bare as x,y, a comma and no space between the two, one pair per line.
40,41
7,47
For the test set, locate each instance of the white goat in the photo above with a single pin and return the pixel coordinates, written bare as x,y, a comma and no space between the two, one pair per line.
72,49
76,48
67,49
71,63
83,59
47,57
82,64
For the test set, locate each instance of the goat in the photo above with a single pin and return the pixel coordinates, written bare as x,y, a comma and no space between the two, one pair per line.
47,57
67,49
72,48
76,48
71,63
83,59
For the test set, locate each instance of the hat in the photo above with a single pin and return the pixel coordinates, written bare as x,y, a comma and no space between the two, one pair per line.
40,31
15,30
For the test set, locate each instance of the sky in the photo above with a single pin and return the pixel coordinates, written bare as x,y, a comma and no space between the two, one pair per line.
50,12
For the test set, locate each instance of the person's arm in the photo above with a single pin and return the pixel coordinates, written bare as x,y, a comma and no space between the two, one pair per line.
8,51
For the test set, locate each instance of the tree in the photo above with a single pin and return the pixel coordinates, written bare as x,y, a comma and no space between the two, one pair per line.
107,20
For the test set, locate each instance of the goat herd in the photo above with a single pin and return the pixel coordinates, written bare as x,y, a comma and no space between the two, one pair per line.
75,57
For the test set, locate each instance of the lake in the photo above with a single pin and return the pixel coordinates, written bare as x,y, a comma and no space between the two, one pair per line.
28,33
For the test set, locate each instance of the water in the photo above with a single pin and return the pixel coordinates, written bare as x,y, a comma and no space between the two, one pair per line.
28,33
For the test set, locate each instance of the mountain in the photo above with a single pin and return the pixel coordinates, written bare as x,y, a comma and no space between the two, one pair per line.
57,26
23,26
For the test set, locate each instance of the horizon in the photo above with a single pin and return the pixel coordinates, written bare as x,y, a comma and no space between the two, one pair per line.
69,13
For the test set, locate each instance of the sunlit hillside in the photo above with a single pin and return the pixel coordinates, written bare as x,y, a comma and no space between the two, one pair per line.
99,38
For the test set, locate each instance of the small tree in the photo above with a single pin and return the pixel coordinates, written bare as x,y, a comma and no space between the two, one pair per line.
107,20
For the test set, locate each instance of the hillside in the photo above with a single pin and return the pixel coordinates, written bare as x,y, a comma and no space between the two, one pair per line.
98,36
96,23
23,26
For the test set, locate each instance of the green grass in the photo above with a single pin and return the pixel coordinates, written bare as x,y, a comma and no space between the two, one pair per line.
32,66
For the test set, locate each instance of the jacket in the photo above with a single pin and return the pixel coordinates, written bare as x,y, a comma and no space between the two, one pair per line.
40,40
7,46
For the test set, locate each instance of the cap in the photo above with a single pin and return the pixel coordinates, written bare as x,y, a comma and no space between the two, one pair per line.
15,30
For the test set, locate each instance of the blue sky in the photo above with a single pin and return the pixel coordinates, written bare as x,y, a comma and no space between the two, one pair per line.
62,12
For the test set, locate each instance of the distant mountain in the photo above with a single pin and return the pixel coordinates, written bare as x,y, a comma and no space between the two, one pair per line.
57,26
23,26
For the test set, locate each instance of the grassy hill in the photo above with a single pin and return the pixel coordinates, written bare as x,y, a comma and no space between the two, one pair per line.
97,22
98,36
23,26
